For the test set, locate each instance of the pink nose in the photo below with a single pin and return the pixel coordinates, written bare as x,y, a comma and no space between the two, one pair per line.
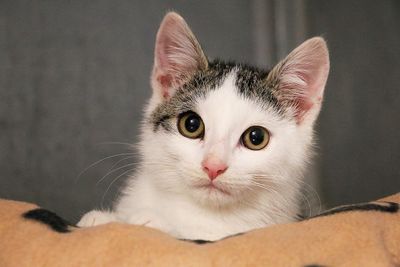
213,167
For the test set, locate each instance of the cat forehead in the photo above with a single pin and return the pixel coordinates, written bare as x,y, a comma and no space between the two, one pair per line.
224,110
246,82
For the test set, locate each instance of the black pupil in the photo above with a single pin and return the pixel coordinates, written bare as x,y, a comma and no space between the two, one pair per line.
192,123
256,136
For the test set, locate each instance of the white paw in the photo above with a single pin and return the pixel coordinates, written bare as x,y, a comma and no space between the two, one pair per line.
96,217
147,219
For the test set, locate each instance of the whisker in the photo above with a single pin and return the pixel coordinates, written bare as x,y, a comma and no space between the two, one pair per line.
119,161
116,143
109,186
277,179
99,161
112,171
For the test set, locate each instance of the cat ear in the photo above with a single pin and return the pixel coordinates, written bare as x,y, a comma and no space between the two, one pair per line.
299,80
178,56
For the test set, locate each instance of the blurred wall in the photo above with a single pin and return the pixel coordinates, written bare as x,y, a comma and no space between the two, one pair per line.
359,127
74,76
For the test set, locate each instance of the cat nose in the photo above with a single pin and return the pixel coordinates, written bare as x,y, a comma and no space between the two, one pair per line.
213,167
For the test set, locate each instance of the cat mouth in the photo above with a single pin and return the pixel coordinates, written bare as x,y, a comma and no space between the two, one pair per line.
212,187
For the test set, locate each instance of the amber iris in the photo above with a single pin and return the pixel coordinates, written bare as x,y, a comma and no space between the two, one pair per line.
191,125
255,138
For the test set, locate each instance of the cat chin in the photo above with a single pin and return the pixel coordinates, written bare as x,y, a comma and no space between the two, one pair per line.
213,196
214,189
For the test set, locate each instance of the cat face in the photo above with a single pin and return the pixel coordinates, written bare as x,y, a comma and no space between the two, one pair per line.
221,133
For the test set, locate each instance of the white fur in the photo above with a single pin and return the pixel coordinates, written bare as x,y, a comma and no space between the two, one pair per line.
163,193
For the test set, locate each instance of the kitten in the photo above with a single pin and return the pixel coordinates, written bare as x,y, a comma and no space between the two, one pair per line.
223,145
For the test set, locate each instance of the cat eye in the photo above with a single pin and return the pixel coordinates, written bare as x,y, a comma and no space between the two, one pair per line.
255,138
190,125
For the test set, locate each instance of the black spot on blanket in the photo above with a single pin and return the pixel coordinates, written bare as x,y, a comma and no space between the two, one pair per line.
199,241
389,207
202,242
49,218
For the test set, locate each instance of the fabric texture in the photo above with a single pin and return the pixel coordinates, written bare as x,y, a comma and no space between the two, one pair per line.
365,234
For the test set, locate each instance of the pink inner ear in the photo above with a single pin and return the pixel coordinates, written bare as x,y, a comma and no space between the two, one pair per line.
166,82
303,76
166,71
177,55
305,101
165,47
311,90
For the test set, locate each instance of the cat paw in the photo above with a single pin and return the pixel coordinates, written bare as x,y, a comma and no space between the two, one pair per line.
147,219
96,217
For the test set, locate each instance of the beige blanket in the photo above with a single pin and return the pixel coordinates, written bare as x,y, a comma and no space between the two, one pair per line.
356,235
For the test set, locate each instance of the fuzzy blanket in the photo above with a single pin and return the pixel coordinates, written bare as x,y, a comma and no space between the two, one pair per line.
365,234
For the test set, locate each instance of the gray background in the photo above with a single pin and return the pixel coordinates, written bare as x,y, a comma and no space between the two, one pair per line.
74,76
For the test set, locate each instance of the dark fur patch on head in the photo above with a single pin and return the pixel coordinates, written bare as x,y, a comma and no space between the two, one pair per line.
389,207
251,83
48,218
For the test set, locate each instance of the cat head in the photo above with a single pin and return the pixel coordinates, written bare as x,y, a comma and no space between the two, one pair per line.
222,133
